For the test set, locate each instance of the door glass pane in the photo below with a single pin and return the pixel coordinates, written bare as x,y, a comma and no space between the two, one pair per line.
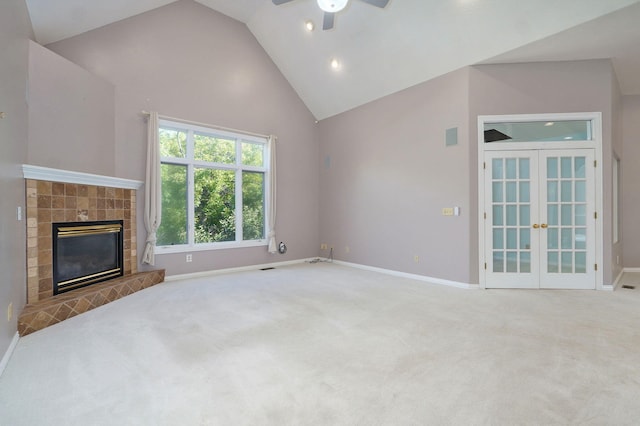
580,171
512,261
512,239
498,261
524,168
511,168
567,262
512,215
525,192
552,191
512,192
567,216
498,238
566,193
497,168
497,192
552,168
581,238
581,191
525,215
498,220
525,262
581,214
525,238
552,262
581,263
567,240
566,171
552,238
552,214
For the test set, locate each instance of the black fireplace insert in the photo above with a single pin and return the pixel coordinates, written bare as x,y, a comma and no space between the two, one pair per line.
86,253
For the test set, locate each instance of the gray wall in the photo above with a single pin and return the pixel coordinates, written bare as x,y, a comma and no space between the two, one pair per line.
386,174
630,172
185,60
15,30
71,115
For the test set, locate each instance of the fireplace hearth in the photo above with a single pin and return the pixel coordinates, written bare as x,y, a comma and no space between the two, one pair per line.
86,253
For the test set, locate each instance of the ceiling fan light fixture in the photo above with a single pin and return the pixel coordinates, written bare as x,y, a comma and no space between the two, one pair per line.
332,6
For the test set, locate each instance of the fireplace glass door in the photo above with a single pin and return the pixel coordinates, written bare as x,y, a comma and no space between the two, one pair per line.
86,253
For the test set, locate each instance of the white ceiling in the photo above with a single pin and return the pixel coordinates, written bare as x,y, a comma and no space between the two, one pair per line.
386,50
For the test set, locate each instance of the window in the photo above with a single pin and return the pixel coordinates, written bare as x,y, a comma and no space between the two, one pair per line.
538,131
214,188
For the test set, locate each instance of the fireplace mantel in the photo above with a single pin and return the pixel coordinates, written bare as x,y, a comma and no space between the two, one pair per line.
67,176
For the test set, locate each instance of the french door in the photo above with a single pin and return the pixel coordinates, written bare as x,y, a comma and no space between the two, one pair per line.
539,219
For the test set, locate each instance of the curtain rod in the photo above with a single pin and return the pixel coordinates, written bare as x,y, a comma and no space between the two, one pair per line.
213,126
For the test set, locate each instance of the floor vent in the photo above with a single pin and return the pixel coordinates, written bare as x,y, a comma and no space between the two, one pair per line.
267,269
629,287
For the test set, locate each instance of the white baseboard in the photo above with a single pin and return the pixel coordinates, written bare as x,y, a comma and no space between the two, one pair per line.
616,282
9,352
630,269
431,280
232,270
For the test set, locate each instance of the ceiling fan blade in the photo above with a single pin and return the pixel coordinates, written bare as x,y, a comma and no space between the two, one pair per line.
279,2
377,3
327,21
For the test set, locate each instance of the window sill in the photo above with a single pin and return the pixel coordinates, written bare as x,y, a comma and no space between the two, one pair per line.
160,250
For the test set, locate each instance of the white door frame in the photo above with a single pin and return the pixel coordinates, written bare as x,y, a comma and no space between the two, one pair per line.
594,143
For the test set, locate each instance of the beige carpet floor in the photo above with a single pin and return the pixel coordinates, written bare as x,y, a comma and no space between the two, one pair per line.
326,344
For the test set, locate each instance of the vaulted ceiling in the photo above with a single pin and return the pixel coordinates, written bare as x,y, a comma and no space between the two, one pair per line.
382,51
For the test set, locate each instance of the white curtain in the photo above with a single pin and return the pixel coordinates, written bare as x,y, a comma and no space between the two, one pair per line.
273,248
153,192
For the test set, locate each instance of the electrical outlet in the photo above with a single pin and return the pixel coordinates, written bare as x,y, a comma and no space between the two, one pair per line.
10,312
416,258
189,258
447,211
19,212
323,246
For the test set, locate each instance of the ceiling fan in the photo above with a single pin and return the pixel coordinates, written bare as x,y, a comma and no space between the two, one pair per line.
331,7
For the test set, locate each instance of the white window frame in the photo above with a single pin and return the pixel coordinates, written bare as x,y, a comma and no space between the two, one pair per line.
238,167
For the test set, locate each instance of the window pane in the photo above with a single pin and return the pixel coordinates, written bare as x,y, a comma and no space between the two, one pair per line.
173,227
214,204
252,154
538,131
525,262
173,143
512,238
214,149
511,168
252,206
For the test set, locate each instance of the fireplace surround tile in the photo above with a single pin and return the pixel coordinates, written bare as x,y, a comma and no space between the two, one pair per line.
49,202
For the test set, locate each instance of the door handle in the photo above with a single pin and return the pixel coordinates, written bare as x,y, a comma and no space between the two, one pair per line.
543,226
536,226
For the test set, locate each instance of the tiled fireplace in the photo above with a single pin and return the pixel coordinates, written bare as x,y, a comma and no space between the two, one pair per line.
54,196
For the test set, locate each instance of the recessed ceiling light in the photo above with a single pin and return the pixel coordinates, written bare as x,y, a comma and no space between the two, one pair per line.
550,123
568,138
335,64
309,25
